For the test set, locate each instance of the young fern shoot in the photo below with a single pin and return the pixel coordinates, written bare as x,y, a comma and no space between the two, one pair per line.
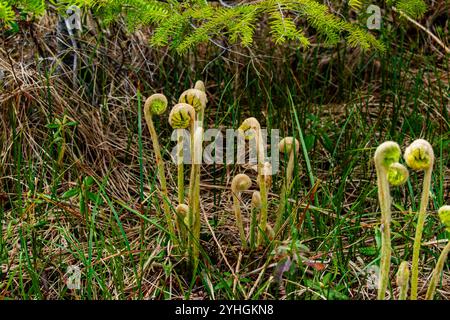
182,211
200,85
444,216
386,155
197,99
419,156
241,182
397,174
403,280
252,125
157,104
290,146
256,207
181,117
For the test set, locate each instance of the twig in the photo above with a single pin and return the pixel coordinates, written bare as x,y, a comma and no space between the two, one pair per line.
447,50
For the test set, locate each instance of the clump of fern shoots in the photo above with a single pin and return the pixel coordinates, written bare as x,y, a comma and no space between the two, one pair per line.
419,156
444,216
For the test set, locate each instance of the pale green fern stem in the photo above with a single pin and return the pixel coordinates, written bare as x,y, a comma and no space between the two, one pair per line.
197,99
194,196
253,124
403,280
157,104
180,165
386,154
241,182
286,146
256,207
181,117
182,211
437,272
419,156
444,215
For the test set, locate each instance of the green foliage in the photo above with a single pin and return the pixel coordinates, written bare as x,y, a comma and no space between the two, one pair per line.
31,7
413,8
236,23
6,13
186,24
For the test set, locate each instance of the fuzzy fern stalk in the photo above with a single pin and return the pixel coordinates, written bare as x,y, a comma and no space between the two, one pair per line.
157,104
182,211
197,99
251,124
194,195
444,215
267,175
180,165
419,156
181,117
289,146
386,154
403,280
256,207
241,182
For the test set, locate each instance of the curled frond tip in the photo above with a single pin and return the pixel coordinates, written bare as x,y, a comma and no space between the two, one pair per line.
286,144
397,174
194,97
156,103
387,153
241,182
444,216
419,155
181,116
